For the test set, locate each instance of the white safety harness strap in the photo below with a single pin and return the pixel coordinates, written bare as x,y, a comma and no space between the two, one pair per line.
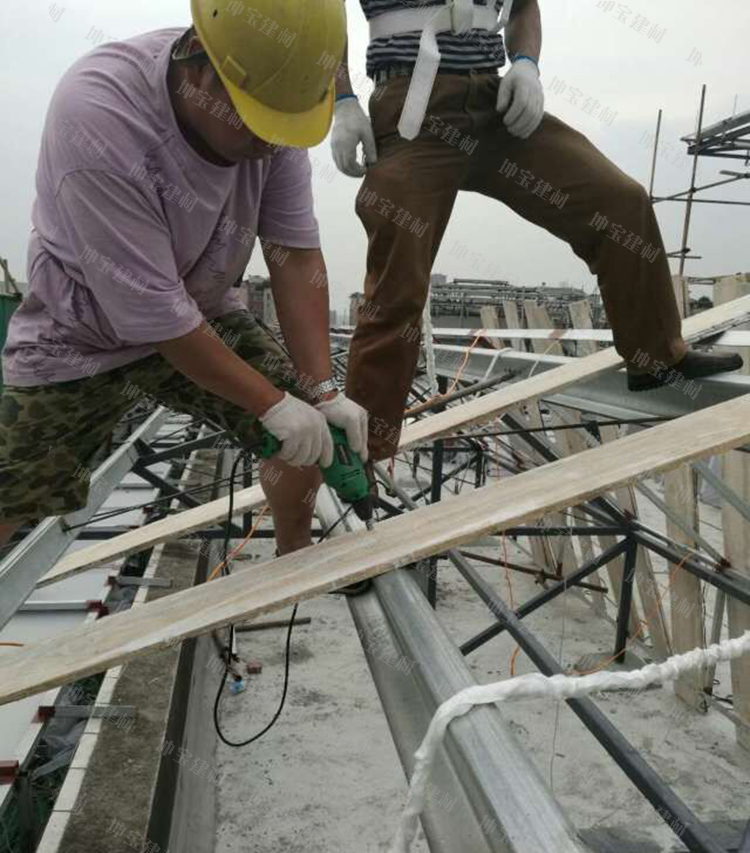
456,16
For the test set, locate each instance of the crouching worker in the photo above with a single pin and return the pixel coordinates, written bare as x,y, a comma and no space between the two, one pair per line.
155,178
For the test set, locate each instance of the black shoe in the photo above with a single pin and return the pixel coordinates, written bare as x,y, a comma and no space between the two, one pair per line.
354,588
694,365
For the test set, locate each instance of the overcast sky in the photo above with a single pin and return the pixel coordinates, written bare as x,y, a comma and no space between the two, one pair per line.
658,55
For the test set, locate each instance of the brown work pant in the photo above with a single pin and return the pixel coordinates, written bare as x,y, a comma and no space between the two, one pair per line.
556,179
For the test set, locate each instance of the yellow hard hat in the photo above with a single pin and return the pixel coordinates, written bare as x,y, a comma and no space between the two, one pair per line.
276,59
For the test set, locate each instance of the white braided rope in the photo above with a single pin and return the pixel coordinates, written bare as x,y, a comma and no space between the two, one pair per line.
536,685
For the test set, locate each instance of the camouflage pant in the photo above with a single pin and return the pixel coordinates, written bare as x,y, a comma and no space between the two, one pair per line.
49,433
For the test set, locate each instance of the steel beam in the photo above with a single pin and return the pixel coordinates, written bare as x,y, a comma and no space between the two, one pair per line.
495,773
35,555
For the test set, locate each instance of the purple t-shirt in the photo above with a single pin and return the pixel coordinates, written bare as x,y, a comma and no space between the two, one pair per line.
136,238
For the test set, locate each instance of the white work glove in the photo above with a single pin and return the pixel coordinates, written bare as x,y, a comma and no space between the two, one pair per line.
350,416
303,432
521,98
351,128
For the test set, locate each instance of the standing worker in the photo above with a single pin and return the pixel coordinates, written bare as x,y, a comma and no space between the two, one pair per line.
155,177
444,121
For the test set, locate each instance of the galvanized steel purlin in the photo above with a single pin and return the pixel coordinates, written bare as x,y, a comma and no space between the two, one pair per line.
33,557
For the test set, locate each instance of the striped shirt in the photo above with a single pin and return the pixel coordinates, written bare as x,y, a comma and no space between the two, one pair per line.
477,49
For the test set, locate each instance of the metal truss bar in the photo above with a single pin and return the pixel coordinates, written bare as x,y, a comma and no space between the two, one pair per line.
626,599
674,517
165,486
564,531
474,388
441,478
731,582
180,450
487,594
729,495
35,555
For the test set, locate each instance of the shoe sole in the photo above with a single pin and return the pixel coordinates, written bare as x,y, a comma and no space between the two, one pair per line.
649,382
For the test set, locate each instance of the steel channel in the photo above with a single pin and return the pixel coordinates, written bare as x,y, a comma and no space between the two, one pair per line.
47,542
606,389
409,710
493,770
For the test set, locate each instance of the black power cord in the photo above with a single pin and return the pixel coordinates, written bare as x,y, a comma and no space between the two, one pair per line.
228,655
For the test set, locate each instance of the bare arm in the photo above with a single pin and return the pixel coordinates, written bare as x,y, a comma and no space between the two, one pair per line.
300,293
523,34
210,363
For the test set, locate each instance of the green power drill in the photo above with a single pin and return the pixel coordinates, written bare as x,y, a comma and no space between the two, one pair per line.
346,475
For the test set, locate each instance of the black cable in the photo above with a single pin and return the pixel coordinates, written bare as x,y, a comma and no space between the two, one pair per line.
230,646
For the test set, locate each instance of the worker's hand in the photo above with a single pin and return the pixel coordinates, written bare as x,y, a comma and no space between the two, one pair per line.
304,434
350,416
352,128
521,98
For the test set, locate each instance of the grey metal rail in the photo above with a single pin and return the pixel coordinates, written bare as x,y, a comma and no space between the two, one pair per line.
502,794
39,551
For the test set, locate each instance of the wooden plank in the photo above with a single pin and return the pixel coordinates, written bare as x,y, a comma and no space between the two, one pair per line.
580,317
682,294
539,546
491,320
488,406
570,443
686,611
512,321
152,534
736,474
481,409
537,317
396,542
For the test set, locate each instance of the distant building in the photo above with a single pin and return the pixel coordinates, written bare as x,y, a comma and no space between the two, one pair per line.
259,299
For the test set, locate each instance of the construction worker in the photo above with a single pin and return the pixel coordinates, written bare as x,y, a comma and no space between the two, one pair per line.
442,120
156,175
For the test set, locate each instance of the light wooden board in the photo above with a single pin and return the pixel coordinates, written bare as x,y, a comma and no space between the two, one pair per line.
492,405
483,408
648,589
512,321
580,317
396,542
736,474
490,320
537,317
686,611
152,534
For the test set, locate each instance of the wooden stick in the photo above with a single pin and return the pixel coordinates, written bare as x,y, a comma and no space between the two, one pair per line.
736,473
171,527
397,542
482,409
